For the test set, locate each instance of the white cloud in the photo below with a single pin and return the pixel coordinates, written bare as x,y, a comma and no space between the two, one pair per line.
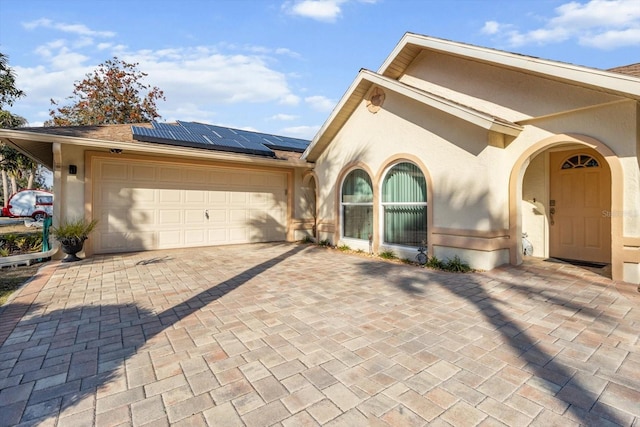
604,24
613,39
491,27
283,117
196,81
306,132
320,10
200,82
320,103
77,29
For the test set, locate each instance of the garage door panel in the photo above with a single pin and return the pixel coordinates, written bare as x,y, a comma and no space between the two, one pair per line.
239,216
215,197
115,197
219,178
192,217
169,216
195,237
239,235
196,176
158,206
195,196
144,173
169,239
139,196
218,215
169,196
238,198
218,236
169,174
114,172
141,217
115,221
122,242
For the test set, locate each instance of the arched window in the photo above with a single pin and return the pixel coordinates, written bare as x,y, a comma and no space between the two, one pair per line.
357,205
404,204
580,161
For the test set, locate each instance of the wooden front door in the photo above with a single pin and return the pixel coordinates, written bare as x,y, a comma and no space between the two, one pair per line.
579,206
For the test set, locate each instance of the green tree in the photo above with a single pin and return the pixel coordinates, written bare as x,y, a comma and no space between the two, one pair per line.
113,94
15,168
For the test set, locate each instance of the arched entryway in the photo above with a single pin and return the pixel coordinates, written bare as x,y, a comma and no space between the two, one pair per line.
573,183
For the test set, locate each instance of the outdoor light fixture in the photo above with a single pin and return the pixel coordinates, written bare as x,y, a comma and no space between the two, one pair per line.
73,169
115,151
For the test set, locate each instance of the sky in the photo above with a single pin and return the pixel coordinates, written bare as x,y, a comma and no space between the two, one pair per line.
281,66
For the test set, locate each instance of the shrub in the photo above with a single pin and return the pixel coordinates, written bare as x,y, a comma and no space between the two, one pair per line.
11,244
325,242
387,255
73,232
435,263
344,248
456,265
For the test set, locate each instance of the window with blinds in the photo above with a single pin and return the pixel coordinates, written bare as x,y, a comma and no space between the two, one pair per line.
357,205
404,204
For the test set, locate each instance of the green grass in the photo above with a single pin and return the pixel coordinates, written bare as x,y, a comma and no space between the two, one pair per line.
11,278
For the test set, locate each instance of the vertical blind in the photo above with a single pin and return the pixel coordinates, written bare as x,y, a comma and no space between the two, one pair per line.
357,205
404,200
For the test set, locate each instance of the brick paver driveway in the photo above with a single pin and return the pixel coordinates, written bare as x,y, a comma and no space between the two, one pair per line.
298,335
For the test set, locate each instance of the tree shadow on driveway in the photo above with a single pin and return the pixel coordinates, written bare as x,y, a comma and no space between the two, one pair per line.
538,326
58,358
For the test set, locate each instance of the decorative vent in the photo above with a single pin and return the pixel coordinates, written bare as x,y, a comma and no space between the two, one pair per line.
376,99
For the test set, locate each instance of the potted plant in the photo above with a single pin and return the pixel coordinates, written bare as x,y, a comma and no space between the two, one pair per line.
71,235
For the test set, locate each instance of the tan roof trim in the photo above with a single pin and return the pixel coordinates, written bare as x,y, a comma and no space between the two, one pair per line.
366,79
38,146
412,44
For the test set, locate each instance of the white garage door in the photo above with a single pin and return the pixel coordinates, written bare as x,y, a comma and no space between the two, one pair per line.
143,206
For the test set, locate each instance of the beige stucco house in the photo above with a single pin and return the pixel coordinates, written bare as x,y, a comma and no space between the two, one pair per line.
154,186
467,148
461,147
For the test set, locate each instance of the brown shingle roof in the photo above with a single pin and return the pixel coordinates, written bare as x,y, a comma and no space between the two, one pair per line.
116,133
632,70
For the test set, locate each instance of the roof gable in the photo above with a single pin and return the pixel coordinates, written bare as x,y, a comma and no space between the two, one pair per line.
367,79
499,130
412,44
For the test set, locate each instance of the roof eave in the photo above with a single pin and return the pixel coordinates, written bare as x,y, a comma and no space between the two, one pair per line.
412,44
15,135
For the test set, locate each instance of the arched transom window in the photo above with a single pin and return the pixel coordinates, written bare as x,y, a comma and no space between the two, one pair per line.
357,205
404,204
580,161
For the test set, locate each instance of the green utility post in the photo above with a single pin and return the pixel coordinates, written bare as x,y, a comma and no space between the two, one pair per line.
45,233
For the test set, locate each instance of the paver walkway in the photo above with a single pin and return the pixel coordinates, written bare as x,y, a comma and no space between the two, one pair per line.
298,335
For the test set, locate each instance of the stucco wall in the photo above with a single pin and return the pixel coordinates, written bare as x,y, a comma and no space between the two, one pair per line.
405,129
535,196
510,94
72,188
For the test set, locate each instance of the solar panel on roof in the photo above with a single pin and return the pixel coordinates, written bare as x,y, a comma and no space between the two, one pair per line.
212,137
